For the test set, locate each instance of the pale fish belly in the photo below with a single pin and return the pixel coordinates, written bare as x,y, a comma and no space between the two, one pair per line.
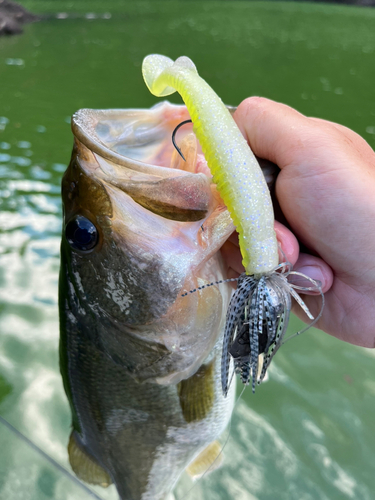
145,435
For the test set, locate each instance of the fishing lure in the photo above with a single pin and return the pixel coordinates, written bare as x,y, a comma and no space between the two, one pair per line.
259,309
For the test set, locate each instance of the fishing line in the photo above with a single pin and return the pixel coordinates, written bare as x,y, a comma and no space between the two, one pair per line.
207,285
53,462
222,448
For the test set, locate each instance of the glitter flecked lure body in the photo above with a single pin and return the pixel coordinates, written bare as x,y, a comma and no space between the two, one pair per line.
259,310
233,166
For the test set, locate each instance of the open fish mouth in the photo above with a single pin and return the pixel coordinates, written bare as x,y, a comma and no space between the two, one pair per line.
141,161
153,225
139,141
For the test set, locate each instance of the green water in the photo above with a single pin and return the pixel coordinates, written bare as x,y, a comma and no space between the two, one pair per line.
308,432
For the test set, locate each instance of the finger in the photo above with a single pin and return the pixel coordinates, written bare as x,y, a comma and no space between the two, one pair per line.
355,140
316,269
267,125
288,243
284,136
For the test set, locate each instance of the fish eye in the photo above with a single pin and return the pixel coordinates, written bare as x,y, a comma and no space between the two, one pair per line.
81,234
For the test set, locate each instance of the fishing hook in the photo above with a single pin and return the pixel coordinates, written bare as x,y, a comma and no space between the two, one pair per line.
173,136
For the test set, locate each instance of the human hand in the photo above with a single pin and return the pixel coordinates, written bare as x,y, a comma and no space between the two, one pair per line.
326,193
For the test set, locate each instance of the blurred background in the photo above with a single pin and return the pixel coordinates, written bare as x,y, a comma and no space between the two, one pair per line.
308,432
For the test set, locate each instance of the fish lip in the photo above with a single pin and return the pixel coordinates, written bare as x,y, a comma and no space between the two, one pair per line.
83,127
84,123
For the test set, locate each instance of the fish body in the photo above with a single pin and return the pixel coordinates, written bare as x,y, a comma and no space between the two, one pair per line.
140,363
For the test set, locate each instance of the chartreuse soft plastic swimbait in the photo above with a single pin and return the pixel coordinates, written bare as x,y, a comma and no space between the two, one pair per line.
259,310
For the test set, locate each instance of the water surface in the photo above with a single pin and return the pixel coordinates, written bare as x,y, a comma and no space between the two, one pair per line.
308,432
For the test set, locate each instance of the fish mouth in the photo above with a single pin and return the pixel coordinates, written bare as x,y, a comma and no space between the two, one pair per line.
161,224
136,138
140,159
135,154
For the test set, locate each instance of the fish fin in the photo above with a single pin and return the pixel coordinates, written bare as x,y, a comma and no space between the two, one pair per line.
197,394
210,458
84,465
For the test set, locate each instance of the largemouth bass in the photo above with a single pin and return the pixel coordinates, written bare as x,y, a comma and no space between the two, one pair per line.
140,363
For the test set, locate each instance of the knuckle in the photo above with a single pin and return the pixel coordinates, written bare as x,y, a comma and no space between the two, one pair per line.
253,105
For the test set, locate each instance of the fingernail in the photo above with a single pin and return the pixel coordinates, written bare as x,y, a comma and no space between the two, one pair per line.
313,272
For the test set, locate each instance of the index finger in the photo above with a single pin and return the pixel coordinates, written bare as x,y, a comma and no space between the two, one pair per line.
282,135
